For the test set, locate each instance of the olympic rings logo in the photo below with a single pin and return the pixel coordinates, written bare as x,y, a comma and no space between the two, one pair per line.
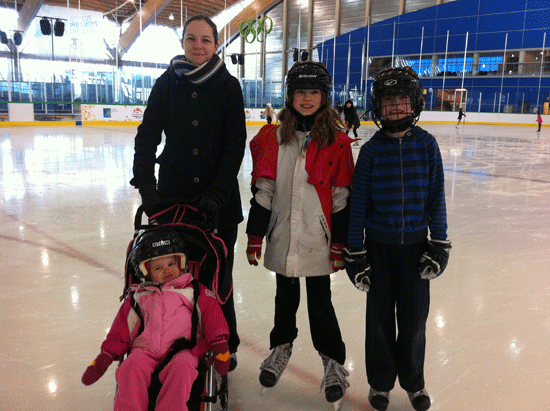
250,30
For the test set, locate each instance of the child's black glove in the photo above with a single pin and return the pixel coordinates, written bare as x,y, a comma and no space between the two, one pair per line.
358,268
435,259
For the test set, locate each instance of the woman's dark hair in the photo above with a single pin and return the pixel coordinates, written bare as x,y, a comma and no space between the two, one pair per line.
325,127
204,18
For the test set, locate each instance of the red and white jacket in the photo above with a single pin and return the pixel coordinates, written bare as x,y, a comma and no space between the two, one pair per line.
302,189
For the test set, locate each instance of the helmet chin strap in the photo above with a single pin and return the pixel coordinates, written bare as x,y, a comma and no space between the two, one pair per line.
396,126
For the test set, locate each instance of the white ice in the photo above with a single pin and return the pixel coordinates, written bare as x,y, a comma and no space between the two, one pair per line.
66,218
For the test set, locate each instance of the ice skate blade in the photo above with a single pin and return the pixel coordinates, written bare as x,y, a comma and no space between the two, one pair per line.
264,390
337,405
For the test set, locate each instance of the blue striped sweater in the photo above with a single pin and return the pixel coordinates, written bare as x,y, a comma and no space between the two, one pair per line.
398,191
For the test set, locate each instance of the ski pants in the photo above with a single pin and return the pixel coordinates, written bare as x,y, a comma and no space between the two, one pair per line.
134,377
397,296
323,323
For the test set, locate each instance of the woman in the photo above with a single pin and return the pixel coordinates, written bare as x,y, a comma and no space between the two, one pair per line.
351,117
199,106
301,175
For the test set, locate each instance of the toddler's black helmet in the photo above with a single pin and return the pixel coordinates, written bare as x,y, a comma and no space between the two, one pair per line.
153,243
308,75
398,81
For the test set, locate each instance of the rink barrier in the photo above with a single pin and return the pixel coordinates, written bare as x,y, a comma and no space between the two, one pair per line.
5,124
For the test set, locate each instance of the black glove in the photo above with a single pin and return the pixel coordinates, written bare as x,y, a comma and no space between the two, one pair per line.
206,204
150,199
435,259
358,268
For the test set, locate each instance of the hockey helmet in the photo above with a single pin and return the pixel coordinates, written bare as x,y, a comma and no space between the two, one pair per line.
397,81
308,75
153,243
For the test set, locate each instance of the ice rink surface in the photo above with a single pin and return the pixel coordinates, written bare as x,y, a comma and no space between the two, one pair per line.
66,218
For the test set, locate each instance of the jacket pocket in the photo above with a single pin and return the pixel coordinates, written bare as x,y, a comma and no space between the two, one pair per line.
326,229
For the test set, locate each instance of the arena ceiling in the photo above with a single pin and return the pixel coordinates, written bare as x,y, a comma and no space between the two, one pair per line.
158,11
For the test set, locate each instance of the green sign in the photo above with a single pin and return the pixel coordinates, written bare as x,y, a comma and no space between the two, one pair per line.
250,30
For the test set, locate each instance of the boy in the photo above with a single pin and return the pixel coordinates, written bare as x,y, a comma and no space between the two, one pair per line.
158,314
397,194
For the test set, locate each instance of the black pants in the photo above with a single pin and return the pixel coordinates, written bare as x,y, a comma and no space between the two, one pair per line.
269,119
229,237
354,130
323,324
397,293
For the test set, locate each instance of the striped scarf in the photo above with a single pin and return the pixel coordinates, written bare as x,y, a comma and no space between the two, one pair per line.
209,74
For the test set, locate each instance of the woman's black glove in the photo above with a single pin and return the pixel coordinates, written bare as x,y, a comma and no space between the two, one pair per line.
150,199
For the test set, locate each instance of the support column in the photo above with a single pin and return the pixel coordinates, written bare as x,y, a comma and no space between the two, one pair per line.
337,18
310,29
241,51
367,12
285,48
262,55
521,62
435,63
475,66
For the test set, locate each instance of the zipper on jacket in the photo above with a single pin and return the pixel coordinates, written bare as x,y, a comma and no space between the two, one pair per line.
402,191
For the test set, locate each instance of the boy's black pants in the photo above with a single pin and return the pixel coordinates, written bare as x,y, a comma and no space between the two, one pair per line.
323,323
397,294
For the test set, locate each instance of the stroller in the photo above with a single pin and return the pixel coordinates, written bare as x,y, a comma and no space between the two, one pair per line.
206,256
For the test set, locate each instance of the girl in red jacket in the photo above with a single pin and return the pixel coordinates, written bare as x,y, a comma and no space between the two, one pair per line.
301,175
158,314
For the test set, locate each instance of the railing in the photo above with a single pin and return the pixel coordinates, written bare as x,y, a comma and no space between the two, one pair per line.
57,97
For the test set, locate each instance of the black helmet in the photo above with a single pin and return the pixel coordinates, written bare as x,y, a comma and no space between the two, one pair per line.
308,75
397,81
153,243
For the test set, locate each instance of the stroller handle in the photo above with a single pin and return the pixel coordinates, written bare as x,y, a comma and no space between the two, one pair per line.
214,219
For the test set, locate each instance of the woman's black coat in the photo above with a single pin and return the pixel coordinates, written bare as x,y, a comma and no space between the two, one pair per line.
205,132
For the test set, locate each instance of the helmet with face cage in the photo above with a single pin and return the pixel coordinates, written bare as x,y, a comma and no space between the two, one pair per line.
153,243
397,81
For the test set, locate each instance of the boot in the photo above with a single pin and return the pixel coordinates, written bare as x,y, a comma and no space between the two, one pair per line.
274,365
334,381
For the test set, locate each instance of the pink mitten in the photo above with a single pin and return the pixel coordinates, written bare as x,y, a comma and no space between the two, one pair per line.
96,370
220,351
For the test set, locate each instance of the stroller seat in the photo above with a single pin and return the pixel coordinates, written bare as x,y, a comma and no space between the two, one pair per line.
206,254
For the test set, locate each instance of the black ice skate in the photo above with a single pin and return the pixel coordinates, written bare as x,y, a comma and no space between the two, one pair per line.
379,400
274,365
420,400
334,381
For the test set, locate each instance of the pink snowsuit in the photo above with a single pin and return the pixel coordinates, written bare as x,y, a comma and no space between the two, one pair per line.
166,310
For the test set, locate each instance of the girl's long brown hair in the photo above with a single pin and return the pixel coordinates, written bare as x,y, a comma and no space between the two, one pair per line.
324,130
